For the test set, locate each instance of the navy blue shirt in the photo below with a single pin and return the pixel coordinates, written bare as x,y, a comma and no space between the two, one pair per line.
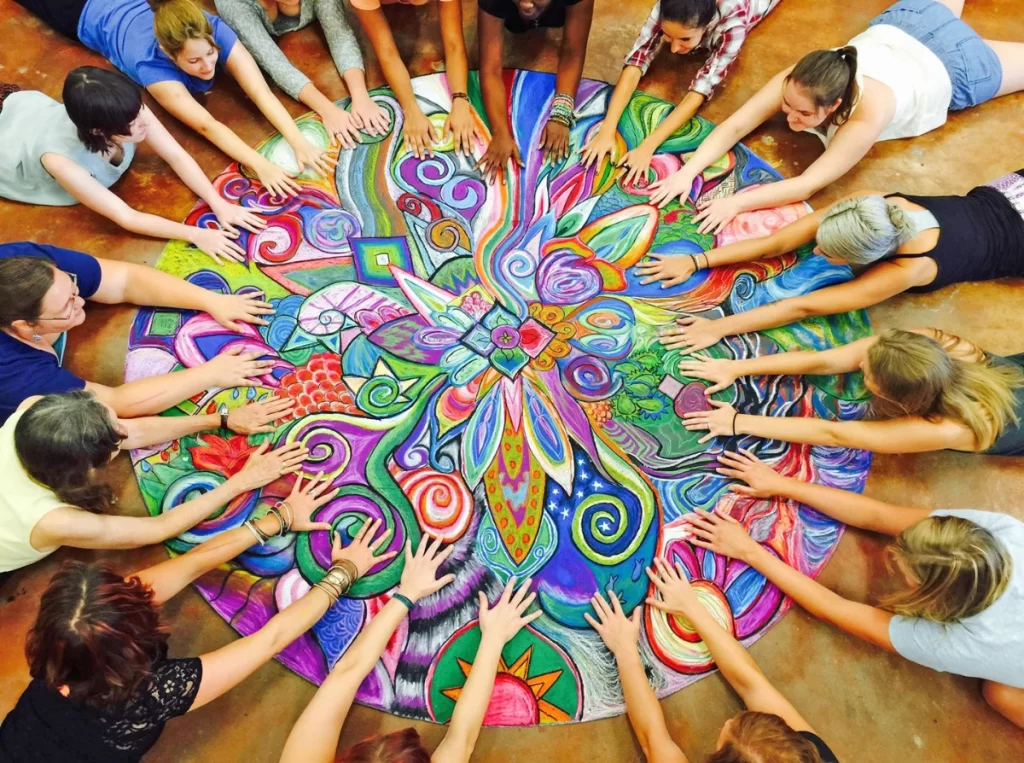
24,370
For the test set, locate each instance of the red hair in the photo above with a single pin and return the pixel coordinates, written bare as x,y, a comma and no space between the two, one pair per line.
96,633
397,747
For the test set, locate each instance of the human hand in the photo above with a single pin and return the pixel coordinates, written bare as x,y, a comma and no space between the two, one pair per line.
231,310
308,156
369,116
232,217
762,481
639,162
504,620
341,126
719,421
618,632
502,153
554,141
264,465
718,532
419,577
677,596
677,185
670,269
304,499
217,243
715,214
715,370
362,551
691,334
461,127
235,368
259,417
419,133
597,148
276,180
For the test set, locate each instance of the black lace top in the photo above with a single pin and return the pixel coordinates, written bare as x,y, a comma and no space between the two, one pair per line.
46,726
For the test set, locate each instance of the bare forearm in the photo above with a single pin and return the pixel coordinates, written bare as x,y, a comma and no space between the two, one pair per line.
570,68
355,81
146,431
155,394
154,288
154,226
645,714
456,62
317,101
314,738
715,146
776,194
621,95
679,116
852,508
464,727
226,140
732,660
493,88
811,431
781,363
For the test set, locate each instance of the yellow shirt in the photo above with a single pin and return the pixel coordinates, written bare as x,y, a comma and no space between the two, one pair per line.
23,502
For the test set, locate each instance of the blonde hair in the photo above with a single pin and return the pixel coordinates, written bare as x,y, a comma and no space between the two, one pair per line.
175,22
916,376
754,737
960,568
864,230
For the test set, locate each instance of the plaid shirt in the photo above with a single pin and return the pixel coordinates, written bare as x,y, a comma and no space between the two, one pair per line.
723,37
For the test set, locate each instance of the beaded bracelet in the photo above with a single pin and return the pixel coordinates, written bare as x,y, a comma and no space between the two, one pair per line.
457,95
563,110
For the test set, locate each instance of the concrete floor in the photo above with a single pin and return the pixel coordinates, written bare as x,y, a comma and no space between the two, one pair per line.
868,705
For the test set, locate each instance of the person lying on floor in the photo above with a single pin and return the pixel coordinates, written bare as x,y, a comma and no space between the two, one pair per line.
719,26
103,683
770,729
418,132
174,50
314,739
931,391
898,79
257,22
52,494
43,290
60,154
518,16
917,244
961,605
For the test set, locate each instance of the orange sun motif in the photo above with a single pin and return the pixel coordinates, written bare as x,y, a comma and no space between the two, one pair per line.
517,699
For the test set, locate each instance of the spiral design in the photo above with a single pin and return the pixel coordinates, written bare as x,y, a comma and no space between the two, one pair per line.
447,235
329,230
603,531
279,242
563,278
378,395
589,379
329,451
428,173
442,502
675,641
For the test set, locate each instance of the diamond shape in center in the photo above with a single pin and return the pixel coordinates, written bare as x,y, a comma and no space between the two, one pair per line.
534,336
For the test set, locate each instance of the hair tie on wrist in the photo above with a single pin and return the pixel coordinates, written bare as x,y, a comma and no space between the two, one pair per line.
735,415
404,599
224,421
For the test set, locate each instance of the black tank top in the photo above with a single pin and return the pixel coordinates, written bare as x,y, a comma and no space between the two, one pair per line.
981,237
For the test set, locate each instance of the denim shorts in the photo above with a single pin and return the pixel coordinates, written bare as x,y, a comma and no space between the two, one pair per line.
973,66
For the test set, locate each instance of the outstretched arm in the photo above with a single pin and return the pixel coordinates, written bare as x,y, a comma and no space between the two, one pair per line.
620,634
555,136
719,532
498,624
603,142
147,287
314,738
228,666
502,153
762,481
174,97
766,102
675,596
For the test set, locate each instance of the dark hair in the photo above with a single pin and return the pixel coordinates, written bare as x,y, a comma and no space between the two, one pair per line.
830,75
24,282
102,103
96,633
402,746
690,13
755,737
61,439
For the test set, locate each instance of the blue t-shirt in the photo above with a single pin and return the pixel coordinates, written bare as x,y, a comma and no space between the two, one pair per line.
122,30
24,370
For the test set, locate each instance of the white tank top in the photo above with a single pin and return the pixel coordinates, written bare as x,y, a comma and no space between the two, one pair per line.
23,502
915,75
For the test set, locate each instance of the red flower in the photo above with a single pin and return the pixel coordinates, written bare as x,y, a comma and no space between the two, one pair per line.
222,456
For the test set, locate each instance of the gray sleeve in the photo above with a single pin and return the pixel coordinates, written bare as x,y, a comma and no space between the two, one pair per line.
340,38
244,18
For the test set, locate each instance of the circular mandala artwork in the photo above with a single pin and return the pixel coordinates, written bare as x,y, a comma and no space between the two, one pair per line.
480,363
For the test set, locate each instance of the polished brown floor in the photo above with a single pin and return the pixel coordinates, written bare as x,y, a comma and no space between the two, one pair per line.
870,706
